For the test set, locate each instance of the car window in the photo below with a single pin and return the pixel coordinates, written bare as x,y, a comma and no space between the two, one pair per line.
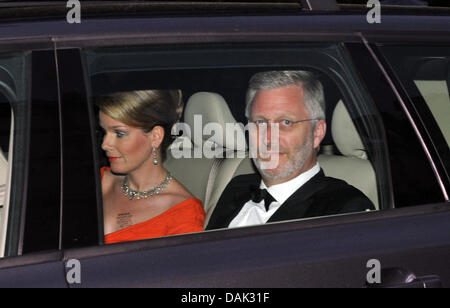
214,75
425,73
13,93
414,182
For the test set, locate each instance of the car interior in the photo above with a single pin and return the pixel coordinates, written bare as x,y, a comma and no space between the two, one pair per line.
342,154
431,76
213,174
218,96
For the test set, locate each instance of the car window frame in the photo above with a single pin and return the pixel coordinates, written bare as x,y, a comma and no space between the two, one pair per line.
18,142
19,193
420,123
437,145
349,93
82,215
398,95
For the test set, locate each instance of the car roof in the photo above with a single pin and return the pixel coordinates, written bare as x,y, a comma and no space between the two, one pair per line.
23,22
48,9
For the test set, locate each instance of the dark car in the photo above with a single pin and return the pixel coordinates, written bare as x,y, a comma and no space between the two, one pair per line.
386,79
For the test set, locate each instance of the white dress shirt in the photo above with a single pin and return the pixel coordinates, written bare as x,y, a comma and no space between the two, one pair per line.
255,213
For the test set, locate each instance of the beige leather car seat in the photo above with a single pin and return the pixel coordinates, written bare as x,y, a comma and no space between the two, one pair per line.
209,122
353,166
235,160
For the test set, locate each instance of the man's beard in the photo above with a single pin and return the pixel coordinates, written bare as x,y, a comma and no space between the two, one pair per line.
295,163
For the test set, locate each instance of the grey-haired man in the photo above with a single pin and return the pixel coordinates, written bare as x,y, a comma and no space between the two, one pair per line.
295,187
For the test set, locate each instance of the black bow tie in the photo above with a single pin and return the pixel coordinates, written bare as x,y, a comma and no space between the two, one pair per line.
262,194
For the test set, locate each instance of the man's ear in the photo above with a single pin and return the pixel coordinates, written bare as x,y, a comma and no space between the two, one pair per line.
319,132
157,135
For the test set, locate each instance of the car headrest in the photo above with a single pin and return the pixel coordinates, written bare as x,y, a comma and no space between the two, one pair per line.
213,109
344,133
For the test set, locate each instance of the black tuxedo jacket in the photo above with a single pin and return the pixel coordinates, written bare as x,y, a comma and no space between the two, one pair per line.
320,196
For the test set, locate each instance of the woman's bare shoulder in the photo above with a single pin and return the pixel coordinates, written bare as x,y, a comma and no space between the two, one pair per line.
175,195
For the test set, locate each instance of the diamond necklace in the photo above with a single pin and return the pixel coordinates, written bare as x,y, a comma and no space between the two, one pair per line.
133,194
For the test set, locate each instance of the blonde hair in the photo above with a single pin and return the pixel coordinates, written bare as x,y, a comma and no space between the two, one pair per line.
144,109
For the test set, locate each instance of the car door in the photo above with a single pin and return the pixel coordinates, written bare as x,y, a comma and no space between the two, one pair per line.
338,251
326,252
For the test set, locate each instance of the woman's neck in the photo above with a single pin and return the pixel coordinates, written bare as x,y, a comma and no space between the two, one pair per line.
144,179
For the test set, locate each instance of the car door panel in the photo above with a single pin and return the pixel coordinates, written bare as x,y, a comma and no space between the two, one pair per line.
333,255
35,270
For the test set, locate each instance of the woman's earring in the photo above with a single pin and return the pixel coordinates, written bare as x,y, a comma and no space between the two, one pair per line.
155,158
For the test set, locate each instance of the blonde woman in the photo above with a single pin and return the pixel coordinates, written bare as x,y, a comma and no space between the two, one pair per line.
141,199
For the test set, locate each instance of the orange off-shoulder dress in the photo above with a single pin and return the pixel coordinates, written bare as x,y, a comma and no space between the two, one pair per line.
185,217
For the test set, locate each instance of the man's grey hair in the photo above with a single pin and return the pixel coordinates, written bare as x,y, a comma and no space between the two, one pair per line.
312,88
